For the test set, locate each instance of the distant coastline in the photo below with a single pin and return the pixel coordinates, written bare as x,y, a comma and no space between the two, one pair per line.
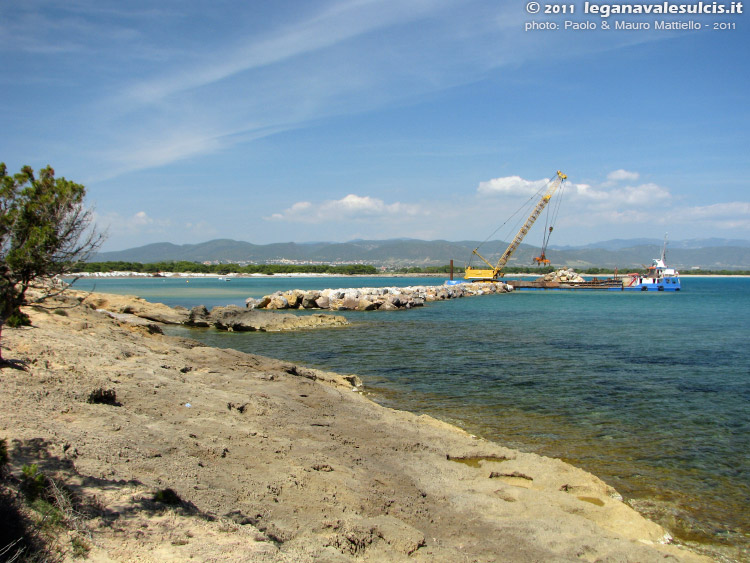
707,254
189,275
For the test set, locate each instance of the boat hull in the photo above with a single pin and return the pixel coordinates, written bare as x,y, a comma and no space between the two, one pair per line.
526,285
673,285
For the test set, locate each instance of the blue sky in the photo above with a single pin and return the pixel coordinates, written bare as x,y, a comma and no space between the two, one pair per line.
335,120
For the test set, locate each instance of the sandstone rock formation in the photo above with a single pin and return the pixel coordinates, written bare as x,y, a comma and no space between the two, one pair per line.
137,311
273,462
233,318
129,304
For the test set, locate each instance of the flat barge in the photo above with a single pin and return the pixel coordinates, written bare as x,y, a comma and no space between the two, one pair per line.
608,284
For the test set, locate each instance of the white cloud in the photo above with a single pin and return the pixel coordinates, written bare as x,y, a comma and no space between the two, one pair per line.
613,200
643,195
731,215
350,207
603,195
141,218
721,210
618,175
511,185
138,223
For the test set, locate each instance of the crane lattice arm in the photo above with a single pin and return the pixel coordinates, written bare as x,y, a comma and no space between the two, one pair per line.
473,273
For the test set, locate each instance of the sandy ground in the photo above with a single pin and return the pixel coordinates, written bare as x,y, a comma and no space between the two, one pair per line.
276,462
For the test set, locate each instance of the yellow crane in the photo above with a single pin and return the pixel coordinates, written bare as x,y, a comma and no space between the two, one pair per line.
495,272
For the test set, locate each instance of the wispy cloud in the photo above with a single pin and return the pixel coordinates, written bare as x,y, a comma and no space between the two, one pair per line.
724,216
137,223
163,95
333,61
332,25
115,94
142,228
349,208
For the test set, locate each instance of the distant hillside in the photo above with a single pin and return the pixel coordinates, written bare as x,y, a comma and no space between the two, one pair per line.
619,244
707,254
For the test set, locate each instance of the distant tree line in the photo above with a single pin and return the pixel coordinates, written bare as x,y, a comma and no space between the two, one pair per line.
346,269
715,273
427,270
224,269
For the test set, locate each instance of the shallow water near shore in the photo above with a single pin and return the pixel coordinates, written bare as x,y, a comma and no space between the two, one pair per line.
649,391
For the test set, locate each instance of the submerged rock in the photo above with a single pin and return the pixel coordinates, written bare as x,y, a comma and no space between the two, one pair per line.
131,305
199,316
234,318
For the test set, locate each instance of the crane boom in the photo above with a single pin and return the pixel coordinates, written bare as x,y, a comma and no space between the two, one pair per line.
477,274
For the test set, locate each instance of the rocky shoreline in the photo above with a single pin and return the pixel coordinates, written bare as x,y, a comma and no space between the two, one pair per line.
128,308
271,461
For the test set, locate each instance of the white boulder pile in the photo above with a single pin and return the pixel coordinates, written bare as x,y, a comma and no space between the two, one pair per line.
372,298
563,275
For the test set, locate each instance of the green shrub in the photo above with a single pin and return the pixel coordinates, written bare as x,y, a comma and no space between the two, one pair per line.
33,482
80,547
17,319
51,515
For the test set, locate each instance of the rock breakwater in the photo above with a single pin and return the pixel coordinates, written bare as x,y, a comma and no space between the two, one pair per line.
563,275
372,298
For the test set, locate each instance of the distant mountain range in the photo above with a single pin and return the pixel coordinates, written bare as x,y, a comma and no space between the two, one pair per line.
707,254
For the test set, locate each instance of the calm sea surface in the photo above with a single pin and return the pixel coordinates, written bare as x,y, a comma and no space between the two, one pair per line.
649,391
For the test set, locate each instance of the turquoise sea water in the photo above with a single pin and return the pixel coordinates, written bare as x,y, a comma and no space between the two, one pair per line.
649,391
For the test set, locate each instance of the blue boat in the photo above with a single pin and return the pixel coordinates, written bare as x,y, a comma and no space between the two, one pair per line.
659,277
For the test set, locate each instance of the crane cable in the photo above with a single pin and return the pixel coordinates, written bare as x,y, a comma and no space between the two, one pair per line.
525,205
549,225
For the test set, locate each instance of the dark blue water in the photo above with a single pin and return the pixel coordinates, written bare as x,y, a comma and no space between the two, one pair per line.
649,391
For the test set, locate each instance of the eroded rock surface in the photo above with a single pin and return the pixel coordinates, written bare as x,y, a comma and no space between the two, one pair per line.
128,308
235,318
276,462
